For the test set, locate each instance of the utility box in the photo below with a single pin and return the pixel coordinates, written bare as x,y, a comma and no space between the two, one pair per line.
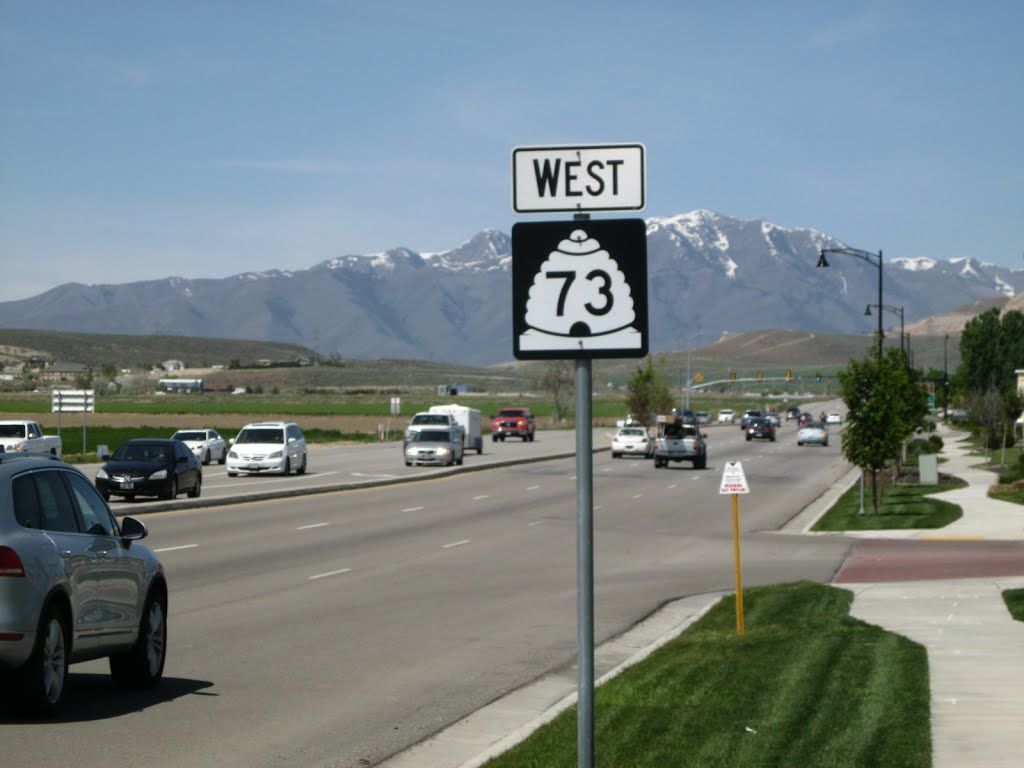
928,469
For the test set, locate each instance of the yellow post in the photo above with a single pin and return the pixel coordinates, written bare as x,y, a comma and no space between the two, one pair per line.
739,571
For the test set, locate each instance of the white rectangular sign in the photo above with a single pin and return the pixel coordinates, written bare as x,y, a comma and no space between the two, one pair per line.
73,401
589,177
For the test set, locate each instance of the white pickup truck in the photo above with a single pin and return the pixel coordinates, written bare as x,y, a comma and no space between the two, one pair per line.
27,436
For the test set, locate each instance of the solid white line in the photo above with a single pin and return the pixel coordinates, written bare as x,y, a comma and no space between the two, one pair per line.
172,549
413,509
368,474
330,573
314,525
455,544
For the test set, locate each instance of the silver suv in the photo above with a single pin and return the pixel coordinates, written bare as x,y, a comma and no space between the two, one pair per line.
74,586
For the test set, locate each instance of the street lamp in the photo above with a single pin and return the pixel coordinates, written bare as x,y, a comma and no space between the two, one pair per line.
875,259
895,311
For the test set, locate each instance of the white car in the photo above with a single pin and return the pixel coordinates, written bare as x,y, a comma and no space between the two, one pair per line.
726,416
833,418
632,440
268,446
206,444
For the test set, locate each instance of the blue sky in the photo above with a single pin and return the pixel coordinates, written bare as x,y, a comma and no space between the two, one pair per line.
143,139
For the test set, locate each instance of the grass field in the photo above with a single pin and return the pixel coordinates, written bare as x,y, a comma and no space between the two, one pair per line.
806,686
902,507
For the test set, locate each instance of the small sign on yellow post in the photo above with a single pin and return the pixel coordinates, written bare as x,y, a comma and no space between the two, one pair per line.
734,482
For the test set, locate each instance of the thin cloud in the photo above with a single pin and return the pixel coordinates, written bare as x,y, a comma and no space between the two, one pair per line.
295,167
847,31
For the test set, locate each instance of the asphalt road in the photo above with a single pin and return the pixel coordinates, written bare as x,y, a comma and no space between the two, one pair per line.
335,629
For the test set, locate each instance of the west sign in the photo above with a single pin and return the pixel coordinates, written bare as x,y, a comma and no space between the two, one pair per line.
585,178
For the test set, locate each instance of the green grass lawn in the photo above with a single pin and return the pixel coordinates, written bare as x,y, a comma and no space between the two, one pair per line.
1015,602
902,506
806,686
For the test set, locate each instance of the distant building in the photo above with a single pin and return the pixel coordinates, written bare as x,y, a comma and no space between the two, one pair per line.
457,389
173,365
182,386
63,371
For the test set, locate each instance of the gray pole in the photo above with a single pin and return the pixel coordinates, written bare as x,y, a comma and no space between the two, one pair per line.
584,565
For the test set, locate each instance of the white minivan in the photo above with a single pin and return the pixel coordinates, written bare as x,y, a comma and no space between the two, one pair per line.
268,446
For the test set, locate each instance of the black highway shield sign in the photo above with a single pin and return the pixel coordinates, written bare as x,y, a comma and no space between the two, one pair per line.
579,289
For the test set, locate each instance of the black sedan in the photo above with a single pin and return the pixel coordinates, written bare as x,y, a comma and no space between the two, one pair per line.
150,467
761,429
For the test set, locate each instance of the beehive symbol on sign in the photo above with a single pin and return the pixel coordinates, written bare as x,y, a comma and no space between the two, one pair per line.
580,295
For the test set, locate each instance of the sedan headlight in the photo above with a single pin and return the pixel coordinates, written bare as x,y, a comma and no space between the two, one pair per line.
275,455
160,474
443,451
232,455
101,474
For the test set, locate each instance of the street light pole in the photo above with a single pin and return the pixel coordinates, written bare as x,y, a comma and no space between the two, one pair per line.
945,378
870,258
895,311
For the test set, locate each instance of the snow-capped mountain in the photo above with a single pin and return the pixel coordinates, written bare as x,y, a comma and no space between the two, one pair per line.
707,273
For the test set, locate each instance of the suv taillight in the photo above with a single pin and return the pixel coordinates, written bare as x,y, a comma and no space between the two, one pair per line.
10,563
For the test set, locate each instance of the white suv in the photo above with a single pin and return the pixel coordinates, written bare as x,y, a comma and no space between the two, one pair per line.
268,446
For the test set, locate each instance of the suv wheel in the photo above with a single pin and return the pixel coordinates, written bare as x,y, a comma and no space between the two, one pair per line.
143,665
302,467
41,681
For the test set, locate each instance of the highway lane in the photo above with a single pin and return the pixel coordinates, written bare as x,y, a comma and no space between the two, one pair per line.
338,628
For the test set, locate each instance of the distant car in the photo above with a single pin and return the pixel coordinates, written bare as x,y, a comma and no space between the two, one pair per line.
760,428
834,418
726,416
75,585
812,433
206,444
792,413
773,418
150,467
512,422
703,417
803,418
753,413
268,446
685,415
434,446
634,441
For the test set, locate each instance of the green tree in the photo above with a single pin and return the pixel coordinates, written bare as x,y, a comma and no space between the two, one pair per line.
884,405
649,392
991,349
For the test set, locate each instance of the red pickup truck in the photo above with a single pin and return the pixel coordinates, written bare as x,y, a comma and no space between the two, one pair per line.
512,422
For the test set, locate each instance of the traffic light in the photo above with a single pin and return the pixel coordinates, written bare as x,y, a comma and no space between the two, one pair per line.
699,378
789,375
817,377
732,375
760,375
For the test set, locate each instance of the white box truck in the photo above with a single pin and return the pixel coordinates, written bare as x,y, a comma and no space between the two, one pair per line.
469,420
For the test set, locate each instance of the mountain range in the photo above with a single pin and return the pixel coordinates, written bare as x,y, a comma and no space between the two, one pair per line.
708,275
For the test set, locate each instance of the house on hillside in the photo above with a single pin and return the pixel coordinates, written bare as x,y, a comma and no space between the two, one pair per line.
63,371
173,365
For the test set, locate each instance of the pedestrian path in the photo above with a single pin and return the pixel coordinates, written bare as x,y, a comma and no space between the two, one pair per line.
975,648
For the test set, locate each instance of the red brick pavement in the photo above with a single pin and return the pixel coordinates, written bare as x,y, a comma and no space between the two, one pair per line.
879,560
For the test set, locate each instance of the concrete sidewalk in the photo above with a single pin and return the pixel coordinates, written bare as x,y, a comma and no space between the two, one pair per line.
975,649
